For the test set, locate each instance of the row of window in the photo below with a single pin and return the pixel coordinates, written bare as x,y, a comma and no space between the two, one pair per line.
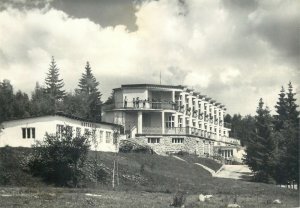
28,133
92,133
157,140
87,124
170,123
210,106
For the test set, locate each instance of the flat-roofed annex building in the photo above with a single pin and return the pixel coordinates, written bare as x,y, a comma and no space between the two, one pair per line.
171,118
25,132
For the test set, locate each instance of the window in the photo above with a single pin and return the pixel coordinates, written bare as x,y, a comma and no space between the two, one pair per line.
154,140
180,121
101,136
24,133
86,131
78,132
59,130
177,140
28,133
69,130
170,122
108,137
33,132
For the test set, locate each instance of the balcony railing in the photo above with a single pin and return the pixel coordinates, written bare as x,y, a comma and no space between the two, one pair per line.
189,131
142,104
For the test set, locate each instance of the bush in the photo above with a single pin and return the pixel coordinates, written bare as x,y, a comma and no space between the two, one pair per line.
182,153
128,146
179,199
60,158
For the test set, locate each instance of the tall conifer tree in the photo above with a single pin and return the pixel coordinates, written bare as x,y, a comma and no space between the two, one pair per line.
281,110
91,97
292,112
261,156
291,133
53,83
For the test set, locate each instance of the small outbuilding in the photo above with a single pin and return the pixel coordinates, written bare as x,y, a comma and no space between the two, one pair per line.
25,132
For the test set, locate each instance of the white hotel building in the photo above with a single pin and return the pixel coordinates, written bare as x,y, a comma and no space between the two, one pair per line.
171,119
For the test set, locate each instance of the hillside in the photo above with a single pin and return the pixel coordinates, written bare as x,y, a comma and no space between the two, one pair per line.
145,173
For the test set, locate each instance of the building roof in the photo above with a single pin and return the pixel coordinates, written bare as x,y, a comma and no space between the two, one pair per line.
62,114
180,87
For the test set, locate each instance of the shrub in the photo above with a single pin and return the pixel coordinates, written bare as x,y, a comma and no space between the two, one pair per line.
59,158
128,146
182,153
179,199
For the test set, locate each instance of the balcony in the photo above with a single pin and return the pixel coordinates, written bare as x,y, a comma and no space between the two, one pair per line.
143,104
178,131
188,131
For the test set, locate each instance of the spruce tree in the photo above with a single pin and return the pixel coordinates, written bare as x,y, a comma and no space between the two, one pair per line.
91,97
291,133
281,110
292,112
54,85
261,149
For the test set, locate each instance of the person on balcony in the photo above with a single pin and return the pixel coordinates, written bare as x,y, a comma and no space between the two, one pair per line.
133,102
138,102
144,103
125,102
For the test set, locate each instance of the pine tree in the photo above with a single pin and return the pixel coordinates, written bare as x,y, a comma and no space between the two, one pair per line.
291,133
281,110
261,149
91,97
287,137
292,112
54,85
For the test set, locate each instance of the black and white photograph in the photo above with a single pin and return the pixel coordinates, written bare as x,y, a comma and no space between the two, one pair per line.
149,103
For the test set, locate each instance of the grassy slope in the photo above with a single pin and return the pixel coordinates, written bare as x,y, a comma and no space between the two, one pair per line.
141,174
202,160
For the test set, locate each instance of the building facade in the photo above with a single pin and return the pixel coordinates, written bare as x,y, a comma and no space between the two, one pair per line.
170,118
25,132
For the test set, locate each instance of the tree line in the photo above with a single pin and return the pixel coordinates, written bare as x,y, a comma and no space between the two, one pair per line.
47,99
271,141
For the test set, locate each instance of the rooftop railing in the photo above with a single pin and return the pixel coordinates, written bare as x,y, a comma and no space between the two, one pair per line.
142,104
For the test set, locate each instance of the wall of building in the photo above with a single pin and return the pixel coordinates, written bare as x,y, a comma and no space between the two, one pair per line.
12,132
118,98
142,94
191,145
130,120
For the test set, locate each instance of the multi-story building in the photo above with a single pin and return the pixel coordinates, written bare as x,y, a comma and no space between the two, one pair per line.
171,119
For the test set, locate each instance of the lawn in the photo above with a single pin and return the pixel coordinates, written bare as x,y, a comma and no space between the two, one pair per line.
145,180
212,164
65,197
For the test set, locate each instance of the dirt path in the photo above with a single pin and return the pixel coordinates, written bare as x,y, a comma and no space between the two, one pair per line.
227,171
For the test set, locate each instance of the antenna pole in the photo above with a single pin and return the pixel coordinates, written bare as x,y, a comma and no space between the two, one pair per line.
160,77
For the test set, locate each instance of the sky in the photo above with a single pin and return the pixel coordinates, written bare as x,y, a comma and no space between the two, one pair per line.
235,51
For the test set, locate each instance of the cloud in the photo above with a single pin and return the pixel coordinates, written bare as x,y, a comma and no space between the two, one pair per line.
224,49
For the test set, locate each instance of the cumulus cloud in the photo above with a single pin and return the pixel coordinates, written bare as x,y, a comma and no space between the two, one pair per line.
225,49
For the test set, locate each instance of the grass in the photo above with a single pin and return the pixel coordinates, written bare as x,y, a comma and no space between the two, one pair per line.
212,164
145,181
